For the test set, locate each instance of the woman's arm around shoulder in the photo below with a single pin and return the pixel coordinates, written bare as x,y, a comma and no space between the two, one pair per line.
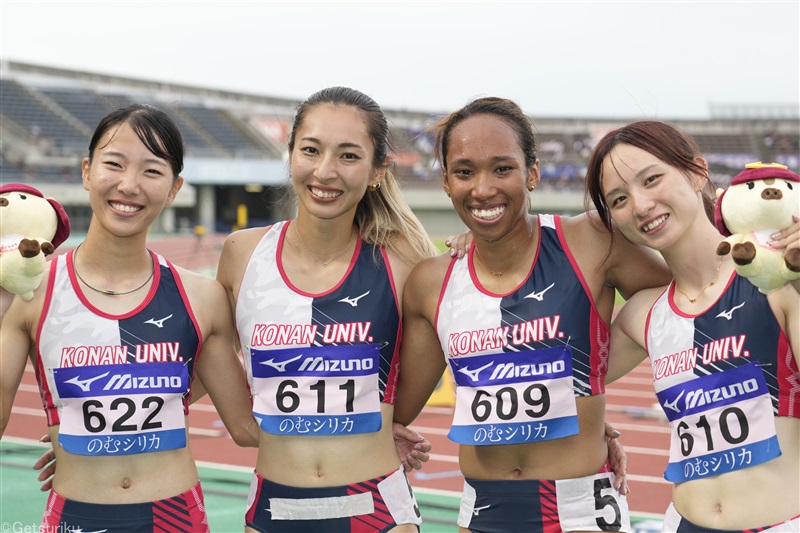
218,367
629,267
627,347
421,360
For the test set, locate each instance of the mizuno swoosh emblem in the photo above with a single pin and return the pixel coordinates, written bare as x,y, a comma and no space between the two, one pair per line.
477,510
159,322
353,301
473,374
729,313
540,295
280,367
674,405
85,384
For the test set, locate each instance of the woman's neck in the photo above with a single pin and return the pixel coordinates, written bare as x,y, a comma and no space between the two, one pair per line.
506,253
323,237
114,256
694,262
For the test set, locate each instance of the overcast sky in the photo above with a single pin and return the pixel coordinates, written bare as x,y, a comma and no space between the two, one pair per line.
592,59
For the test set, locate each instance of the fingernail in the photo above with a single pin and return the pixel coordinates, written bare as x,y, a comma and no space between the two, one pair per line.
452,252
775,236
616,433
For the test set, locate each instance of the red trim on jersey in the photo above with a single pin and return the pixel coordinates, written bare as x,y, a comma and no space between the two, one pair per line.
674,307
548,505
250,514
474,274
392,378
599,331
82,297
788,380
381,517
52,512
50,410
198,332
279,262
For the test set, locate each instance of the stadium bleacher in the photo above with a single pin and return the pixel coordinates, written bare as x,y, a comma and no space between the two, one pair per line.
48,115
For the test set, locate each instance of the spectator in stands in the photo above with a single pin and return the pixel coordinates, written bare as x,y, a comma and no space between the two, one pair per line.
523,325
317,308
649,179
124,462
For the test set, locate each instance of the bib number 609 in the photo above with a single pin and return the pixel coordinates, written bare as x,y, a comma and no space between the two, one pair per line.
506,405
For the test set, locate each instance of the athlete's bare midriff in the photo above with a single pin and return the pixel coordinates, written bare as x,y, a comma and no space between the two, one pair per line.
301,461
570,457
118,479
727,501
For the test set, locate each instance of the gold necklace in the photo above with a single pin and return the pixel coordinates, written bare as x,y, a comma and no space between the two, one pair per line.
317,259
699,294
109,293
494,272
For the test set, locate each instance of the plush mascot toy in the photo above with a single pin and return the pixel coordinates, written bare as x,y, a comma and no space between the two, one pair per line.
760,201
31,227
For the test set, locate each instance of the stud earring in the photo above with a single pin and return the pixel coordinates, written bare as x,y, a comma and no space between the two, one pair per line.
374,186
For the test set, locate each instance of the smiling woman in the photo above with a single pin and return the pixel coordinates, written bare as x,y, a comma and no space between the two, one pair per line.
115,364
317,307
523,324
709,334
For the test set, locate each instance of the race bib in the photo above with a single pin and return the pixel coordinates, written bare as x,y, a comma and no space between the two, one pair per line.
514,397
317,390
122,409
720,423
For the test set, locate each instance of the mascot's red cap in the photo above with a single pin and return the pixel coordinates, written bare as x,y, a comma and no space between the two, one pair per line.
62,228
752,172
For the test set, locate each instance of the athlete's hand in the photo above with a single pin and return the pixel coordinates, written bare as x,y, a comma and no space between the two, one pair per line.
788,240
788,237
459,244
47,465
412,448
618,460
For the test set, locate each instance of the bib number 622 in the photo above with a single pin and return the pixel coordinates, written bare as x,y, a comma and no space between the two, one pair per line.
95,414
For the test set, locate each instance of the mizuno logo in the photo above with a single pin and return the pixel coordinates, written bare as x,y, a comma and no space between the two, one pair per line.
701,397
540,295
729,314
280,367
159,322
674,405
353,301
473,374
85,384
477,510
